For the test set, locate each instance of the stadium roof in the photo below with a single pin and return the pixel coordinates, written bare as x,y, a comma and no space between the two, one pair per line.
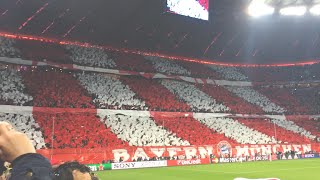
230,35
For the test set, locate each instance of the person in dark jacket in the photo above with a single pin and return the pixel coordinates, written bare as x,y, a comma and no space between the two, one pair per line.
17,149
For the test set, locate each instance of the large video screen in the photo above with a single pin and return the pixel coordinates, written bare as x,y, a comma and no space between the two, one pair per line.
191,8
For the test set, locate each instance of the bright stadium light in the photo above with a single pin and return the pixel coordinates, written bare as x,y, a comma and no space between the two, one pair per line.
293,11
315,10
258,8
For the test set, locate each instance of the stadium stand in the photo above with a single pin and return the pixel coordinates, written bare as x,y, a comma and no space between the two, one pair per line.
109,92
239,132
192,130
90,57
8,49
43,51
155,95
72,130
235,103
141,131
133,62
167,67
56,89
12,88
27,125
198,100
284,98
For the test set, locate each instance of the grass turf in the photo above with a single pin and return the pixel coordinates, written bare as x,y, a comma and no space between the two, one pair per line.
284,170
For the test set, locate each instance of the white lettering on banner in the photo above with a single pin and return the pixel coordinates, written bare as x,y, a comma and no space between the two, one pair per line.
275,148
306,148
121,153
242,151
309,155
190,152
188,162
297,148
136,165
173,151
205,151
266,150
140,153
231,160
286,148
158,151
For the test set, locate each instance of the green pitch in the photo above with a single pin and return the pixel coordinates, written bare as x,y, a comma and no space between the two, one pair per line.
284,170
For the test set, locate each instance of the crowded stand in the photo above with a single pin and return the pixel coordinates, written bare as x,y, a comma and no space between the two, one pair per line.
284,98
26,124
234,102
12,88
192,130
200,70
76,130
162,100
93,57
291,73
291,126
272,129
229,73
133,62
8,49
309,96
308,124
109,92
236,131
141,131
43,52
254,97
167,67
196,99
56,89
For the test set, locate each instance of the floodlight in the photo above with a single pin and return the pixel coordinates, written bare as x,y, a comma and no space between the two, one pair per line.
315,10
293,11
257,9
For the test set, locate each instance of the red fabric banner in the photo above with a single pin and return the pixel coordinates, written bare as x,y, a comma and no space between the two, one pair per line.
90,156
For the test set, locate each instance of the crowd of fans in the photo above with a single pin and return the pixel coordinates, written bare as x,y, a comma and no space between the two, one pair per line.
198,100
309,97
26,124
54,89
155,95
237,131
254,97
43,51
133,62
90,90
8,49
284,98
167,67
12,88
273,128
76,130
192,130
200,70
291,73
94,57
229,73
236,104
110,92
141,131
